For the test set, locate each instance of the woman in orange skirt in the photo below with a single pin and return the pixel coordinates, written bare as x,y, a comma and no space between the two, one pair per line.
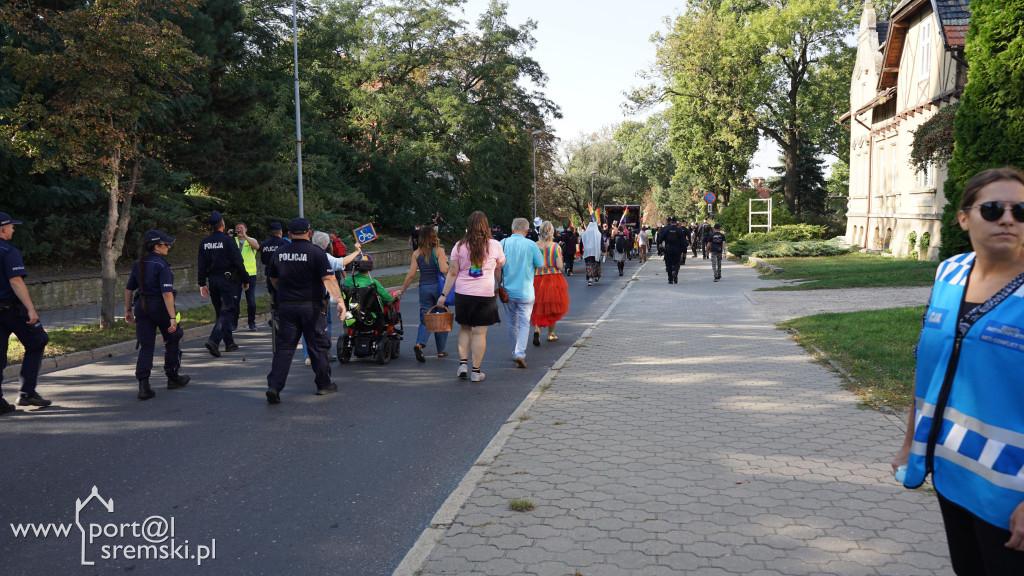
551,291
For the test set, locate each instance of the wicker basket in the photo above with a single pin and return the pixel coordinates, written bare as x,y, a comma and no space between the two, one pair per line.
438,321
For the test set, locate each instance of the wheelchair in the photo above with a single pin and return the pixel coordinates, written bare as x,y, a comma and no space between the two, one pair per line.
372,328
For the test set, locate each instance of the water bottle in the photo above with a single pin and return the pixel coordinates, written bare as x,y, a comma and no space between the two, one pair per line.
901,473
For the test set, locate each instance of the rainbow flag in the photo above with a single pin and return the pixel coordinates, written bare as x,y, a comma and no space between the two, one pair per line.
594,216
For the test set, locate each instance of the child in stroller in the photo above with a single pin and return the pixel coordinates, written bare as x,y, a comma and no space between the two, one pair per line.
373,326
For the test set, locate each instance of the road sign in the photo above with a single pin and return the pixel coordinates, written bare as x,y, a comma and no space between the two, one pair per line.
365,234
709,197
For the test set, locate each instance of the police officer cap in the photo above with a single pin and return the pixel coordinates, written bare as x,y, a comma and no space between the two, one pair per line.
275,225
158,236
6,219
299,226
672,220
215,218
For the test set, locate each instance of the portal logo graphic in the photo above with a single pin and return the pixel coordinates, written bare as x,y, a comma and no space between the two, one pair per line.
120,540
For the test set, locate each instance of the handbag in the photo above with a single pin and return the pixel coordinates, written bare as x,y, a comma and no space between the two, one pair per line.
449,300
502,293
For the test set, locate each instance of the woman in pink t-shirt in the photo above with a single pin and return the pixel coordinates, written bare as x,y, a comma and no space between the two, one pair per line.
474,269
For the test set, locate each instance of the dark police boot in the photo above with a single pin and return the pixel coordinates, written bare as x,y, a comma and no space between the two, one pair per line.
145,392
175,381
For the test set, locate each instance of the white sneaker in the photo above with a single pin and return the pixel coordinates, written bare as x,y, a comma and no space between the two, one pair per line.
463,371
477,377
308,362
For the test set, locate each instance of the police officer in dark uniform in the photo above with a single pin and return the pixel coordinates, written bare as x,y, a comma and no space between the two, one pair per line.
685,235
153,310
270,246
301,272
220,264
18,316
672,241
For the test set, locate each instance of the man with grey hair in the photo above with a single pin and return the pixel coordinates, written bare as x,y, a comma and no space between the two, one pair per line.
522,258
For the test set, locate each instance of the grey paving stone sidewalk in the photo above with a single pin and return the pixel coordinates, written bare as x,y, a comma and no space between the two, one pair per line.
686,435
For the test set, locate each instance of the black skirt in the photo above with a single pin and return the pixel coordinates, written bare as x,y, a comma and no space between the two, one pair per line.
476,310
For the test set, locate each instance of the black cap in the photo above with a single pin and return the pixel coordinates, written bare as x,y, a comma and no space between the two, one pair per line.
275,225
215,218
298,226
158,236
6,219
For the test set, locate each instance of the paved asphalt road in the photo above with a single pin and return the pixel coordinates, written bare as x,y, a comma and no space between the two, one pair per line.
340,484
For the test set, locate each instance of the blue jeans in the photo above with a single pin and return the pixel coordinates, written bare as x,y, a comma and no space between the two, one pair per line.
429,293
518,312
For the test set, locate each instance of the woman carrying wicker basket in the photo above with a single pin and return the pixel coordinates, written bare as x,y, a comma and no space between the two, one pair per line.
429,259
549,286
476,262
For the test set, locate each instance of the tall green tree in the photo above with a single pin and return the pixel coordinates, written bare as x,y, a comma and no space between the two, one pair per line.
989,125
91,75
780,68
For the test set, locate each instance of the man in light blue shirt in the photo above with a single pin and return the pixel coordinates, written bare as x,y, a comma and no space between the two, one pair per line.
522,258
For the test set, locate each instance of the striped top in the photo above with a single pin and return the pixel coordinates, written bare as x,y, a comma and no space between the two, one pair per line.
551,255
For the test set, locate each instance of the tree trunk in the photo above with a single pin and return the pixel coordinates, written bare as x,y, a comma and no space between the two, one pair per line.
792,181
112,239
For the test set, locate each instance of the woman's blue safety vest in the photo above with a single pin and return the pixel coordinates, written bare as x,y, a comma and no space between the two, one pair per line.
969,397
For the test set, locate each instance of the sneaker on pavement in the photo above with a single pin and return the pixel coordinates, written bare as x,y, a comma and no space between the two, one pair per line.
478,377
308,362
6,406
520,362
33,399
327,390
463,371
252,327
212,347
273,396
231,347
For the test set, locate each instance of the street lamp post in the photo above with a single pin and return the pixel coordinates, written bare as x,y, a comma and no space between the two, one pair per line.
298,112
533,141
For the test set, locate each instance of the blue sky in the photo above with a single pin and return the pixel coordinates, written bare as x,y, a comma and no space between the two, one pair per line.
592,51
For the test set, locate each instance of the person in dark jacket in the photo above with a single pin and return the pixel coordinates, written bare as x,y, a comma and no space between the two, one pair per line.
672,242
153,310
18,316
221,265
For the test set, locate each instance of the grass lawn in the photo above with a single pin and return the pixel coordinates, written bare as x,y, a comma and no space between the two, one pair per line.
854,270
875,347
79,339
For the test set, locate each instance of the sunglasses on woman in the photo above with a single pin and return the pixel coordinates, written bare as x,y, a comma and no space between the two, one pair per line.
994,210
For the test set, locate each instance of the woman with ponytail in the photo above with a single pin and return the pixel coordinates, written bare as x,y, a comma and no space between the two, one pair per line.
153,309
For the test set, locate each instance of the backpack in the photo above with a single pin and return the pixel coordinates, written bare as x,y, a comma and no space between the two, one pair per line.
716,241
620,243
338,247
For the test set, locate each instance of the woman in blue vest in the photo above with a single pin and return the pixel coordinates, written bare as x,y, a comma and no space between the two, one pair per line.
154,310
967,427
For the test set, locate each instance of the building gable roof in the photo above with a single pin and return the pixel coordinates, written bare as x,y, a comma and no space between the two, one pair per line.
954,17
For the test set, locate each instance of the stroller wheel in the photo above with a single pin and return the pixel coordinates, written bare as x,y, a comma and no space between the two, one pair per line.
395,348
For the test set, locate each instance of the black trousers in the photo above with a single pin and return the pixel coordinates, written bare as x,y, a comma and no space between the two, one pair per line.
672,256
224,296
33,337
975,546
292,322
146,326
